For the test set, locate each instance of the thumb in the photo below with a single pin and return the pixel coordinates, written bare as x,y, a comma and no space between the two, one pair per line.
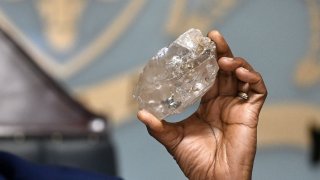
168,134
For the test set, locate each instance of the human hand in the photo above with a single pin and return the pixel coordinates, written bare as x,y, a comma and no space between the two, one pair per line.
218,141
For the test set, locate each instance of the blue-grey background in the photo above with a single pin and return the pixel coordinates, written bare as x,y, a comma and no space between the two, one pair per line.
273,35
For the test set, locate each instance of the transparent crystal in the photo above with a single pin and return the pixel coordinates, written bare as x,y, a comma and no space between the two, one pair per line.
178,76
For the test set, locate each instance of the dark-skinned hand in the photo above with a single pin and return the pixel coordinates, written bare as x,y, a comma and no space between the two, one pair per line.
219,140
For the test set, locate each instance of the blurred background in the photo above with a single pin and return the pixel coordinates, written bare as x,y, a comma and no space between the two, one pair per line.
68,68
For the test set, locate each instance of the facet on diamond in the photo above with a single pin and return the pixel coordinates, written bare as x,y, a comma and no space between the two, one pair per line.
178,75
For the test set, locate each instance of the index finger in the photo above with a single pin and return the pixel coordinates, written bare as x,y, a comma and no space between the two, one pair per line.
225,80
223,49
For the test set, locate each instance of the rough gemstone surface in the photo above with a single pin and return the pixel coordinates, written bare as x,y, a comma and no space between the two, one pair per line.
178,75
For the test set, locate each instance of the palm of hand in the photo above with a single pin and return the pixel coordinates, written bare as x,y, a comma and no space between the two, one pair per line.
209,145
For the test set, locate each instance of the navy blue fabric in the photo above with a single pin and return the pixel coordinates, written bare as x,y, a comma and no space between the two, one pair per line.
15,168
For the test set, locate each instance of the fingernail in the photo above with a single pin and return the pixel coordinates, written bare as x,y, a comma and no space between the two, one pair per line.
244,69
214,33
140,112
227,58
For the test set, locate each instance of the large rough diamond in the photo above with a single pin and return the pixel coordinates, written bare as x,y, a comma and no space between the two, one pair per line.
178,75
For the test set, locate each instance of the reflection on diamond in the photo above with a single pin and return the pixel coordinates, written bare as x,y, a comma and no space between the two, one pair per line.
178,75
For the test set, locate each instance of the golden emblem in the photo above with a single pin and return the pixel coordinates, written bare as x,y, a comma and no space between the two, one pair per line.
59,20
180,18
79,60
308,69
